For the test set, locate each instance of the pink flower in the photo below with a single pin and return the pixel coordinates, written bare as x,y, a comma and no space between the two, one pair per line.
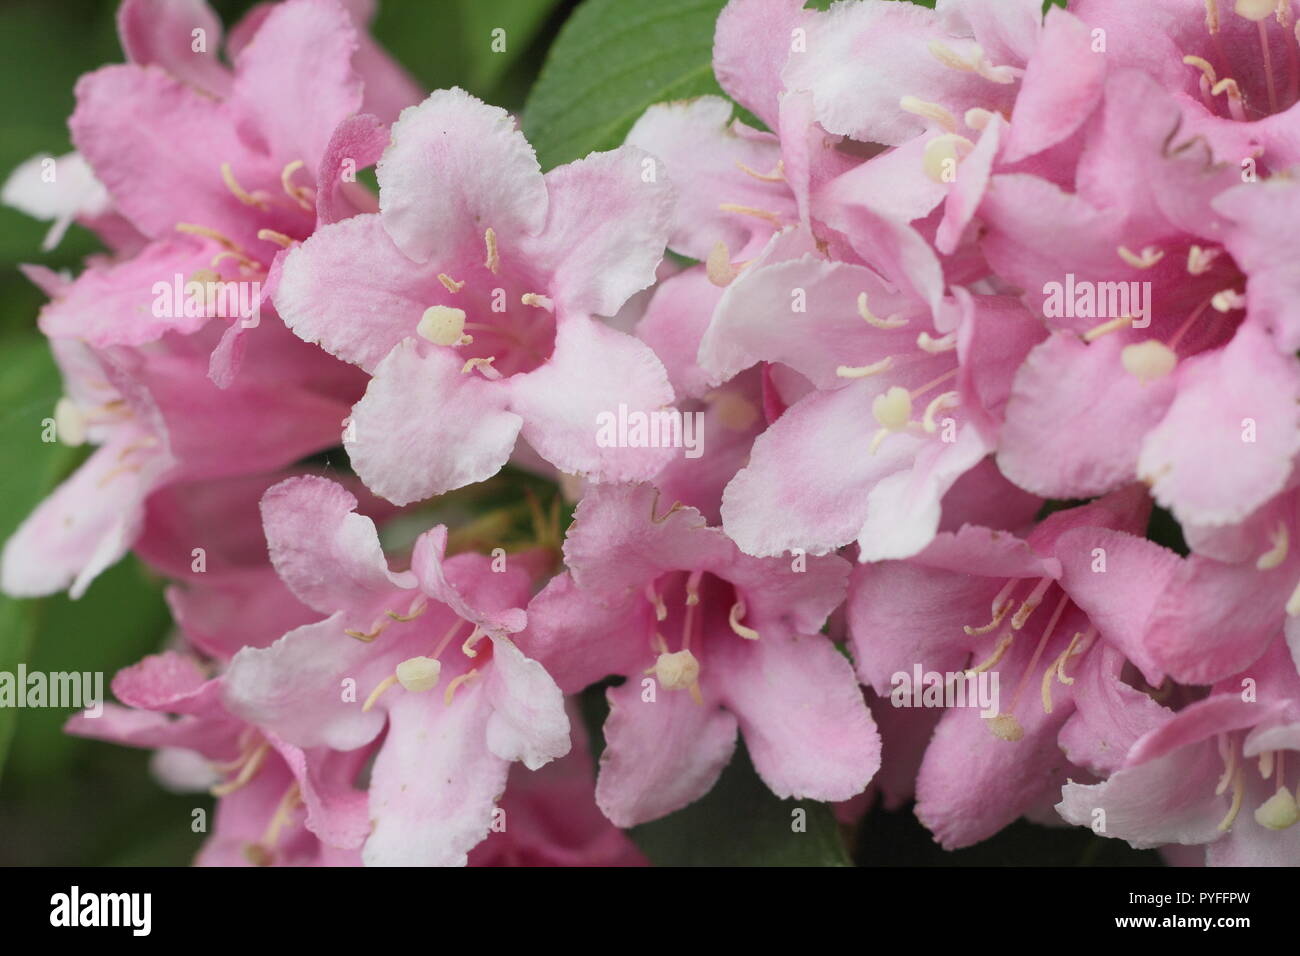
470,295
731,642
373,664
1216,773
1061,627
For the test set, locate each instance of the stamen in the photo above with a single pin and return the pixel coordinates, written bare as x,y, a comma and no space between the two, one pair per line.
1236,103
1113,325
1149,256
1228,751
945,343
651,595
247,198
493,260
1057,671
375,694
1001,605
302,195
456,683
763,214
1085,643
1268,56
864,371
1004,642
1293,603
367,636
1266,764
942,403
895,321
1228,300
1031,603
221,239
1206,68
418,607
777,175
1238,791
537,301
484,366
449,283
930,111
978,118
475,636
250,767
1212,15
279,238
733,618
1270,559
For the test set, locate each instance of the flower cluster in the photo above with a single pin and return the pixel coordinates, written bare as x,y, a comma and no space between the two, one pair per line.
868,397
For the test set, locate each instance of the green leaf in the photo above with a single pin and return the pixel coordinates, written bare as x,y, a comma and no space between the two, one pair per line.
29,388
451,43
611,60
738,823
741,823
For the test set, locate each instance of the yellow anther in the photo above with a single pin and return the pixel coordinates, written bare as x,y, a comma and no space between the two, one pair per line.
1227,300
449,283
493,260
1147,258
1200,260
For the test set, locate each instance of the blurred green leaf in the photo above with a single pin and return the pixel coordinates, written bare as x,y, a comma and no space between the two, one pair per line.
29,388
611,60
451,43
